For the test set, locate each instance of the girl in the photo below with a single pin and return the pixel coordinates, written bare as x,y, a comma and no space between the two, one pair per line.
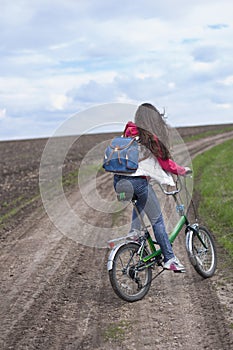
151,131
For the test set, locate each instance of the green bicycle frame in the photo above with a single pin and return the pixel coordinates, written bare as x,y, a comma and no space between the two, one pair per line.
156,252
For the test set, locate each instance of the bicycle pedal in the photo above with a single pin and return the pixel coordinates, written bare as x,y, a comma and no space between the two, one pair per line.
179,271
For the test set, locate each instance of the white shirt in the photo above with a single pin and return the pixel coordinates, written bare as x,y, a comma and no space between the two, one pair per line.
151,167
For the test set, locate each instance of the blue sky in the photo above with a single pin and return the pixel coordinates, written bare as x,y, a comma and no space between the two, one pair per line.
62,57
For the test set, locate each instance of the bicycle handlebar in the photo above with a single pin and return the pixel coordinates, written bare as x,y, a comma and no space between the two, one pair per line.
178,186
174,192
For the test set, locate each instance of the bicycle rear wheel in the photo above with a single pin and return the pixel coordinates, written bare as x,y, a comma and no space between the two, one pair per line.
128,281
204,252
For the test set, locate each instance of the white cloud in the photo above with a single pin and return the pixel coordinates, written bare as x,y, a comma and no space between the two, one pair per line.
228,81
59,102
224,106
3,114
61,56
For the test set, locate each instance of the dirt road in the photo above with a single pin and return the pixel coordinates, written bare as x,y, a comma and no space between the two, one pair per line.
55,294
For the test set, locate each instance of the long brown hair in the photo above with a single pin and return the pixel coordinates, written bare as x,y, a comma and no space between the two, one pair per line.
153,130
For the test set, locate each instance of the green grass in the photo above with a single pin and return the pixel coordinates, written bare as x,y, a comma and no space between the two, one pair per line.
116,331
70,179
87,172
207,134
213,172
18,204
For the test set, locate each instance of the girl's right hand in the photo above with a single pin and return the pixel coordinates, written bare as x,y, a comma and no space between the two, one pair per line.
188,171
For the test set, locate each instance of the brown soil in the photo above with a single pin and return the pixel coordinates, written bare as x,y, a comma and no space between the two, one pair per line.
55,293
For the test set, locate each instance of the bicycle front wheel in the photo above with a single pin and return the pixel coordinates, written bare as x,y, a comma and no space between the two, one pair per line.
129,279
204,252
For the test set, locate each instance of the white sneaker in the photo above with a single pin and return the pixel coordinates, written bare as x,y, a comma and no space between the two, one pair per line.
133,235
174,265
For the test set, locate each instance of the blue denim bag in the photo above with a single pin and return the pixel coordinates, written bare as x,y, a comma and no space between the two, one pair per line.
121,155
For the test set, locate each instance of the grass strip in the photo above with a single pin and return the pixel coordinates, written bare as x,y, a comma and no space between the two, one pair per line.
21,204
207,134
213,175
116,331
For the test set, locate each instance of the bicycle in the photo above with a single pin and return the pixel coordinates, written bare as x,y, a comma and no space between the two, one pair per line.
132,258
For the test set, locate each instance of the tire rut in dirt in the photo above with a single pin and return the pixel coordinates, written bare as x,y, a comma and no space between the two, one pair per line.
66,302
181,311
64,312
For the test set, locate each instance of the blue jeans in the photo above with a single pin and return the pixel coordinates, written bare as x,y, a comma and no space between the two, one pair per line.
147,203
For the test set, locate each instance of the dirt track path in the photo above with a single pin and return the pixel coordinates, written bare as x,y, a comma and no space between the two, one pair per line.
55,294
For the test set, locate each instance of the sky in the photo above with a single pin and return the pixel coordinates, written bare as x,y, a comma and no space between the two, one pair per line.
60,58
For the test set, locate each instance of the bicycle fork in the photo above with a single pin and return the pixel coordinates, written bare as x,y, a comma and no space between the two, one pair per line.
190,231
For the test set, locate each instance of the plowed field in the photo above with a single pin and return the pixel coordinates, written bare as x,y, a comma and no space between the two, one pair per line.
55,292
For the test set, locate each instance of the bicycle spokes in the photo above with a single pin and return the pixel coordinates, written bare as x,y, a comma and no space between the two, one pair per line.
204,252
128,279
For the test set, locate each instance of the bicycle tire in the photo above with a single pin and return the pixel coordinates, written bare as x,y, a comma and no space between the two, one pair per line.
122,276
205,259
